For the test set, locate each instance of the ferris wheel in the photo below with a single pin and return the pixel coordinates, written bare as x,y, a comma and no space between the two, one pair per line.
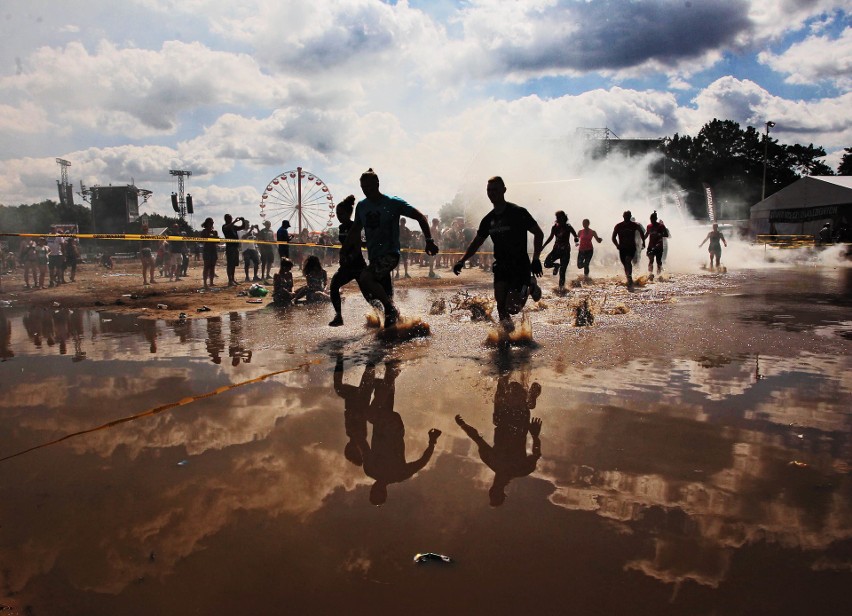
300,197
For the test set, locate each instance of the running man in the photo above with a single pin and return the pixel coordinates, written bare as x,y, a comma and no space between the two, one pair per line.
715,248
624,238
514,274
656,232
378,216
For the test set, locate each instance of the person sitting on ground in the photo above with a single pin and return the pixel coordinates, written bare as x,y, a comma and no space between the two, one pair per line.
316,279
586,250
560,256
282,284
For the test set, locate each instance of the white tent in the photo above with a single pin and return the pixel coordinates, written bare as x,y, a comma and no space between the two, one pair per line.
802,208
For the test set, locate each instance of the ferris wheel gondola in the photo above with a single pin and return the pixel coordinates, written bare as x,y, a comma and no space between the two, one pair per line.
300,197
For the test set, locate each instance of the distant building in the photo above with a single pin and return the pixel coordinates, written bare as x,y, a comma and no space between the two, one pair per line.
802,208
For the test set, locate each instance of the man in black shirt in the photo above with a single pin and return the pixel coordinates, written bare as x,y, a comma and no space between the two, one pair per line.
230,231
507,225
624,238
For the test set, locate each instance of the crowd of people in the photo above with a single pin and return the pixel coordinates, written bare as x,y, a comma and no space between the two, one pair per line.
378,223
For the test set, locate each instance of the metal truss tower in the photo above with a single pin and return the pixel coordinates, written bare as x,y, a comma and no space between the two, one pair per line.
179,200
66,191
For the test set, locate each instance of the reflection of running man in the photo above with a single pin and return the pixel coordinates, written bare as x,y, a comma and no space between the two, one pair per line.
715,248
508,456
624,238
507,225
383,458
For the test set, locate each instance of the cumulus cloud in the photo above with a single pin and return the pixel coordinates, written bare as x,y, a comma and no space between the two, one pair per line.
815,59
824,122
138,92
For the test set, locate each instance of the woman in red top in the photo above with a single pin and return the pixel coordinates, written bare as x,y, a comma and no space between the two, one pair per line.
586,249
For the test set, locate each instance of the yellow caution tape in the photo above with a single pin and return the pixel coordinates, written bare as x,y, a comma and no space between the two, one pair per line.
165,407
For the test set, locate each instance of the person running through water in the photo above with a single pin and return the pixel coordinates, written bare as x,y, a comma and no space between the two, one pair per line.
378,216
507,225
624,238
656,232
716,240
586,249
560,256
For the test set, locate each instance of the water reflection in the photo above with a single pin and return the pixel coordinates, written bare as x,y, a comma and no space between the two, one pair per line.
508,457
6,352
215,343
236,342
383,457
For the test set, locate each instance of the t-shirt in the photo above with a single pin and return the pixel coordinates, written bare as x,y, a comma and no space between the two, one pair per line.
626,233
266,235
586,236
508,230
282,235
656,232
380,221
562,235
249,235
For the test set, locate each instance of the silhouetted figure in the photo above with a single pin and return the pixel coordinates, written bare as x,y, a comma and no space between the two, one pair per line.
356,401
508,456
656,233
624,238
507,225
215,343
716,239
383,458
5,337
560,256
378,216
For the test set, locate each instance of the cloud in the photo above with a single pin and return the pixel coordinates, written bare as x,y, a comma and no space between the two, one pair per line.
547,38
138,92
825,121
814,60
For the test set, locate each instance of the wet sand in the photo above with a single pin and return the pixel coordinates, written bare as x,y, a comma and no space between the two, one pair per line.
694,456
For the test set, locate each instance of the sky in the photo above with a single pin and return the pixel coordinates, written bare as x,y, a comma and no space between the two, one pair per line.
435,95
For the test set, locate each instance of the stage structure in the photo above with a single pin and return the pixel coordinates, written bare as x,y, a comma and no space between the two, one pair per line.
181,204
601,142
113,207
66,190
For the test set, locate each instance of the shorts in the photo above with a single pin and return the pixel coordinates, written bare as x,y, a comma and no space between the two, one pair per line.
232,255
145,254
383,265
516,275
267,255
656,251
715,249
250,256
210,259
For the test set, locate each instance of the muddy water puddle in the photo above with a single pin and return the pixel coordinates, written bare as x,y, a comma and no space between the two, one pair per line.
681,457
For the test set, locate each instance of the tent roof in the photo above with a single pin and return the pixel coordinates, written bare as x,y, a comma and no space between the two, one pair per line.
808,192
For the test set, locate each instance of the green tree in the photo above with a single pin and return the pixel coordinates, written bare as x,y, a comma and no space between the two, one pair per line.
845,166
730,159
